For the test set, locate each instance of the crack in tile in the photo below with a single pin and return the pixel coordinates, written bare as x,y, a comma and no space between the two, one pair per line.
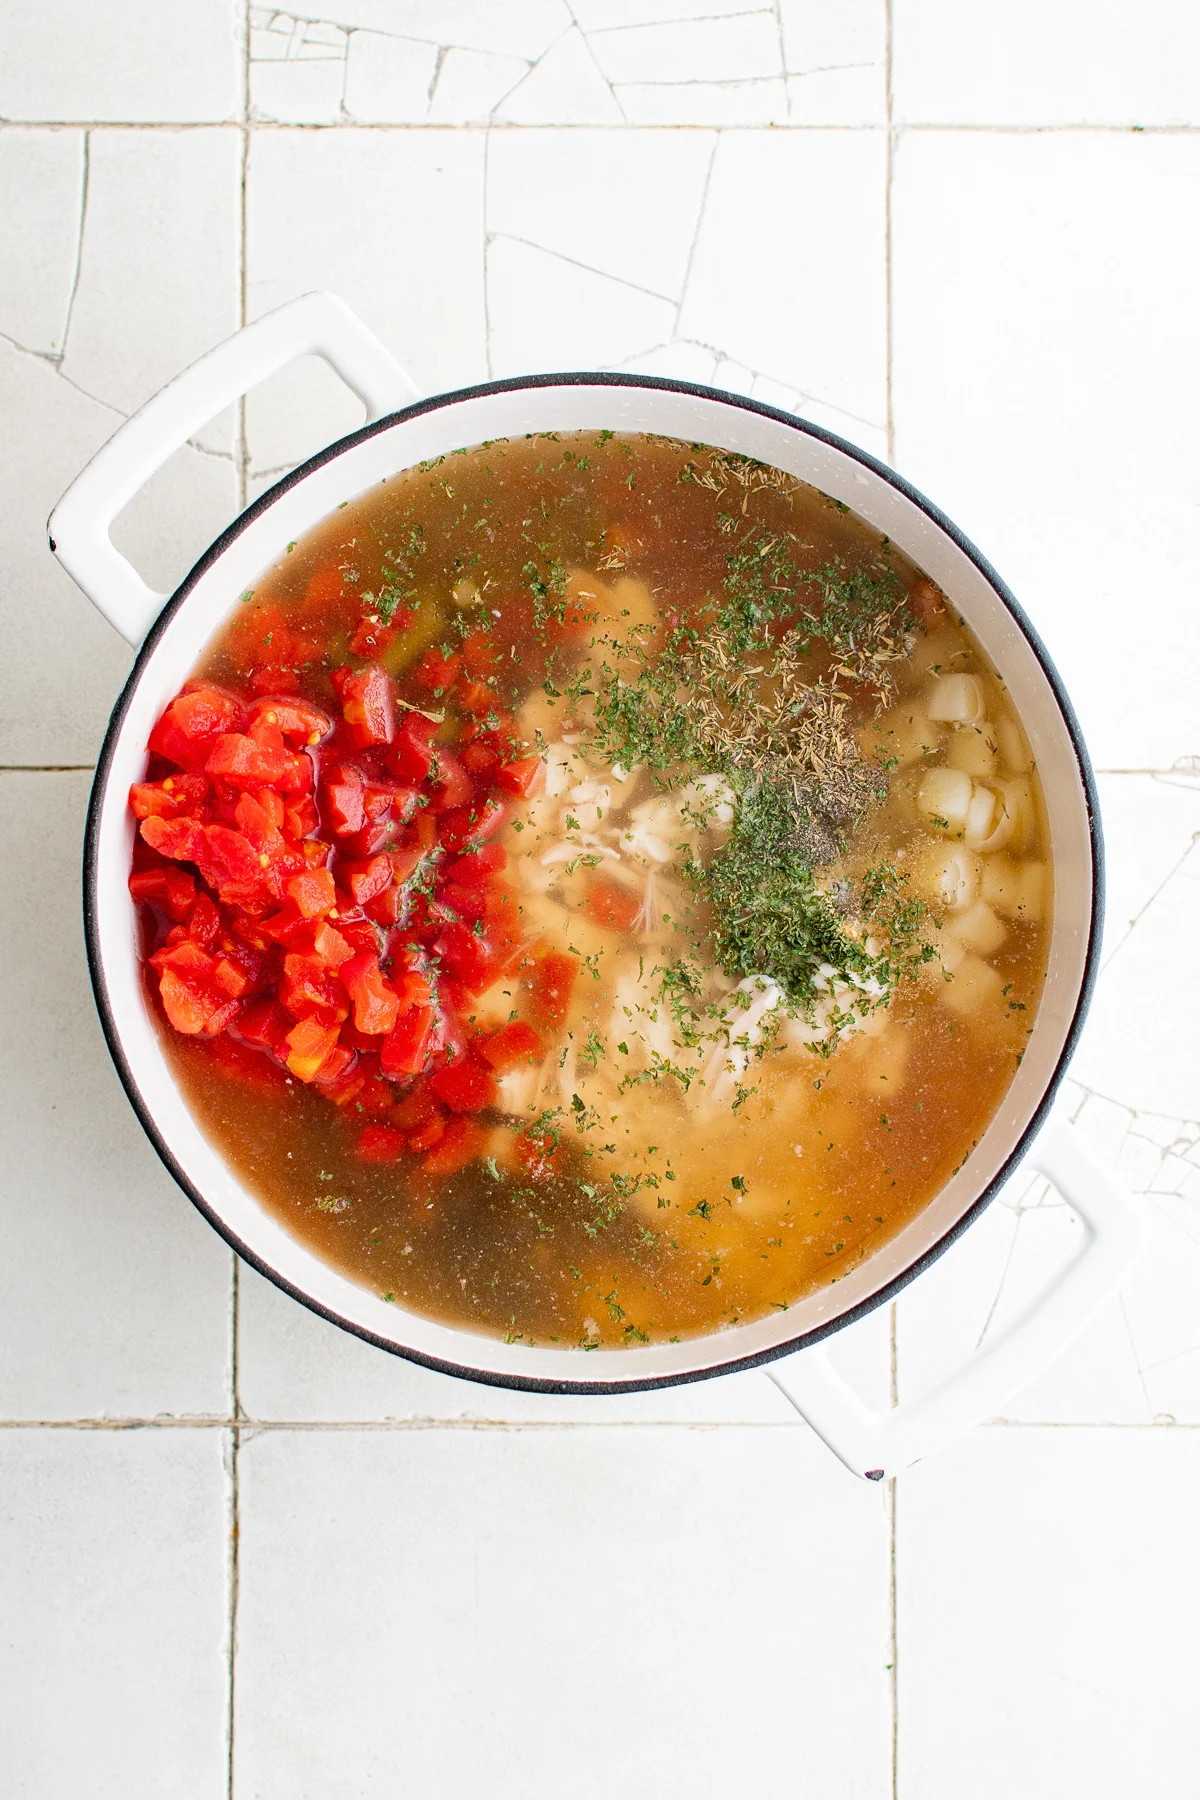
691,255
592,59
588,268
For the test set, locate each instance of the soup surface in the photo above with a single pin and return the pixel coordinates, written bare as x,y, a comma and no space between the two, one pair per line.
593,891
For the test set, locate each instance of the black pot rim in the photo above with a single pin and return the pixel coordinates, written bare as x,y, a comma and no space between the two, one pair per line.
464,1371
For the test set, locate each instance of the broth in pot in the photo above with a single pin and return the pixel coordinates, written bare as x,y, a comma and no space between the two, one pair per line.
594,891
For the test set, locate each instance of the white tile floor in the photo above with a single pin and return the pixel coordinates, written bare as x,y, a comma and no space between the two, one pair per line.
243,1555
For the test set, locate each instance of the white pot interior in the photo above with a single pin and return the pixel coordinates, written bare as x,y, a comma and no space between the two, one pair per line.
707,419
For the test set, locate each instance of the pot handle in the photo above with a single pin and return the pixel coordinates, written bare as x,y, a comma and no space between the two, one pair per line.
873,1445
78,528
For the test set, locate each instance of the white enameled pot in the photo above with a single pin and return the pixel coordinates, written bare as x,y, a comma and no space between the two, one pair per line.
404,430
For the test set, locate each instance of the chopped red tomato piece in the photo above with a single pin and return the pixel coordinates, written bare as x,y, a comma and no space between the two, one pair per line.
312,893
538,1153
523,777
464,1085
367,879
311,990
380,1144
325,587
468,956
296,719
479,757
376,1005
191,725
478,865
308,1044
512,1045
199,993
170,798
468,827
428,1134
372,637
246,762
367,707
336,1066
413,754
437,671
553,981
612,906
405,1050
343,799
265,1024
461,1142
475,696
454,785
330,945
300,816
172,889
416,1109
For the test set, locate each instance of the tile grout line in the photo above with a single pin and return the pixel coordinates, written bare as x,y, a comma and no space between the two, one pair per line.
77,271
999,129
243,1424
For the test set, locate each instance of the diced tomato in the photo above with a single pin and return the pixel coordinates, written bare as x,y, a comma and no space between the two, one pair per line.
330,945
167,799
375,836
437,671
478,865
464,1085
311,990
265,1024
367,707
474,696
512,1045
416,1109
424,831
412,753
312,893
538,1153
243,761
469,827
300,816
308,1044
172,889
274,679
288,926
192,724
479,758
195,989
406,1049
553,981
372,637
336,1065
428,1134
523,777
380,1144
480,656
367,879
467,902
462,1141
204,923
454,785
296,719
325,589
468,956
611,906
376,1005
343,800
